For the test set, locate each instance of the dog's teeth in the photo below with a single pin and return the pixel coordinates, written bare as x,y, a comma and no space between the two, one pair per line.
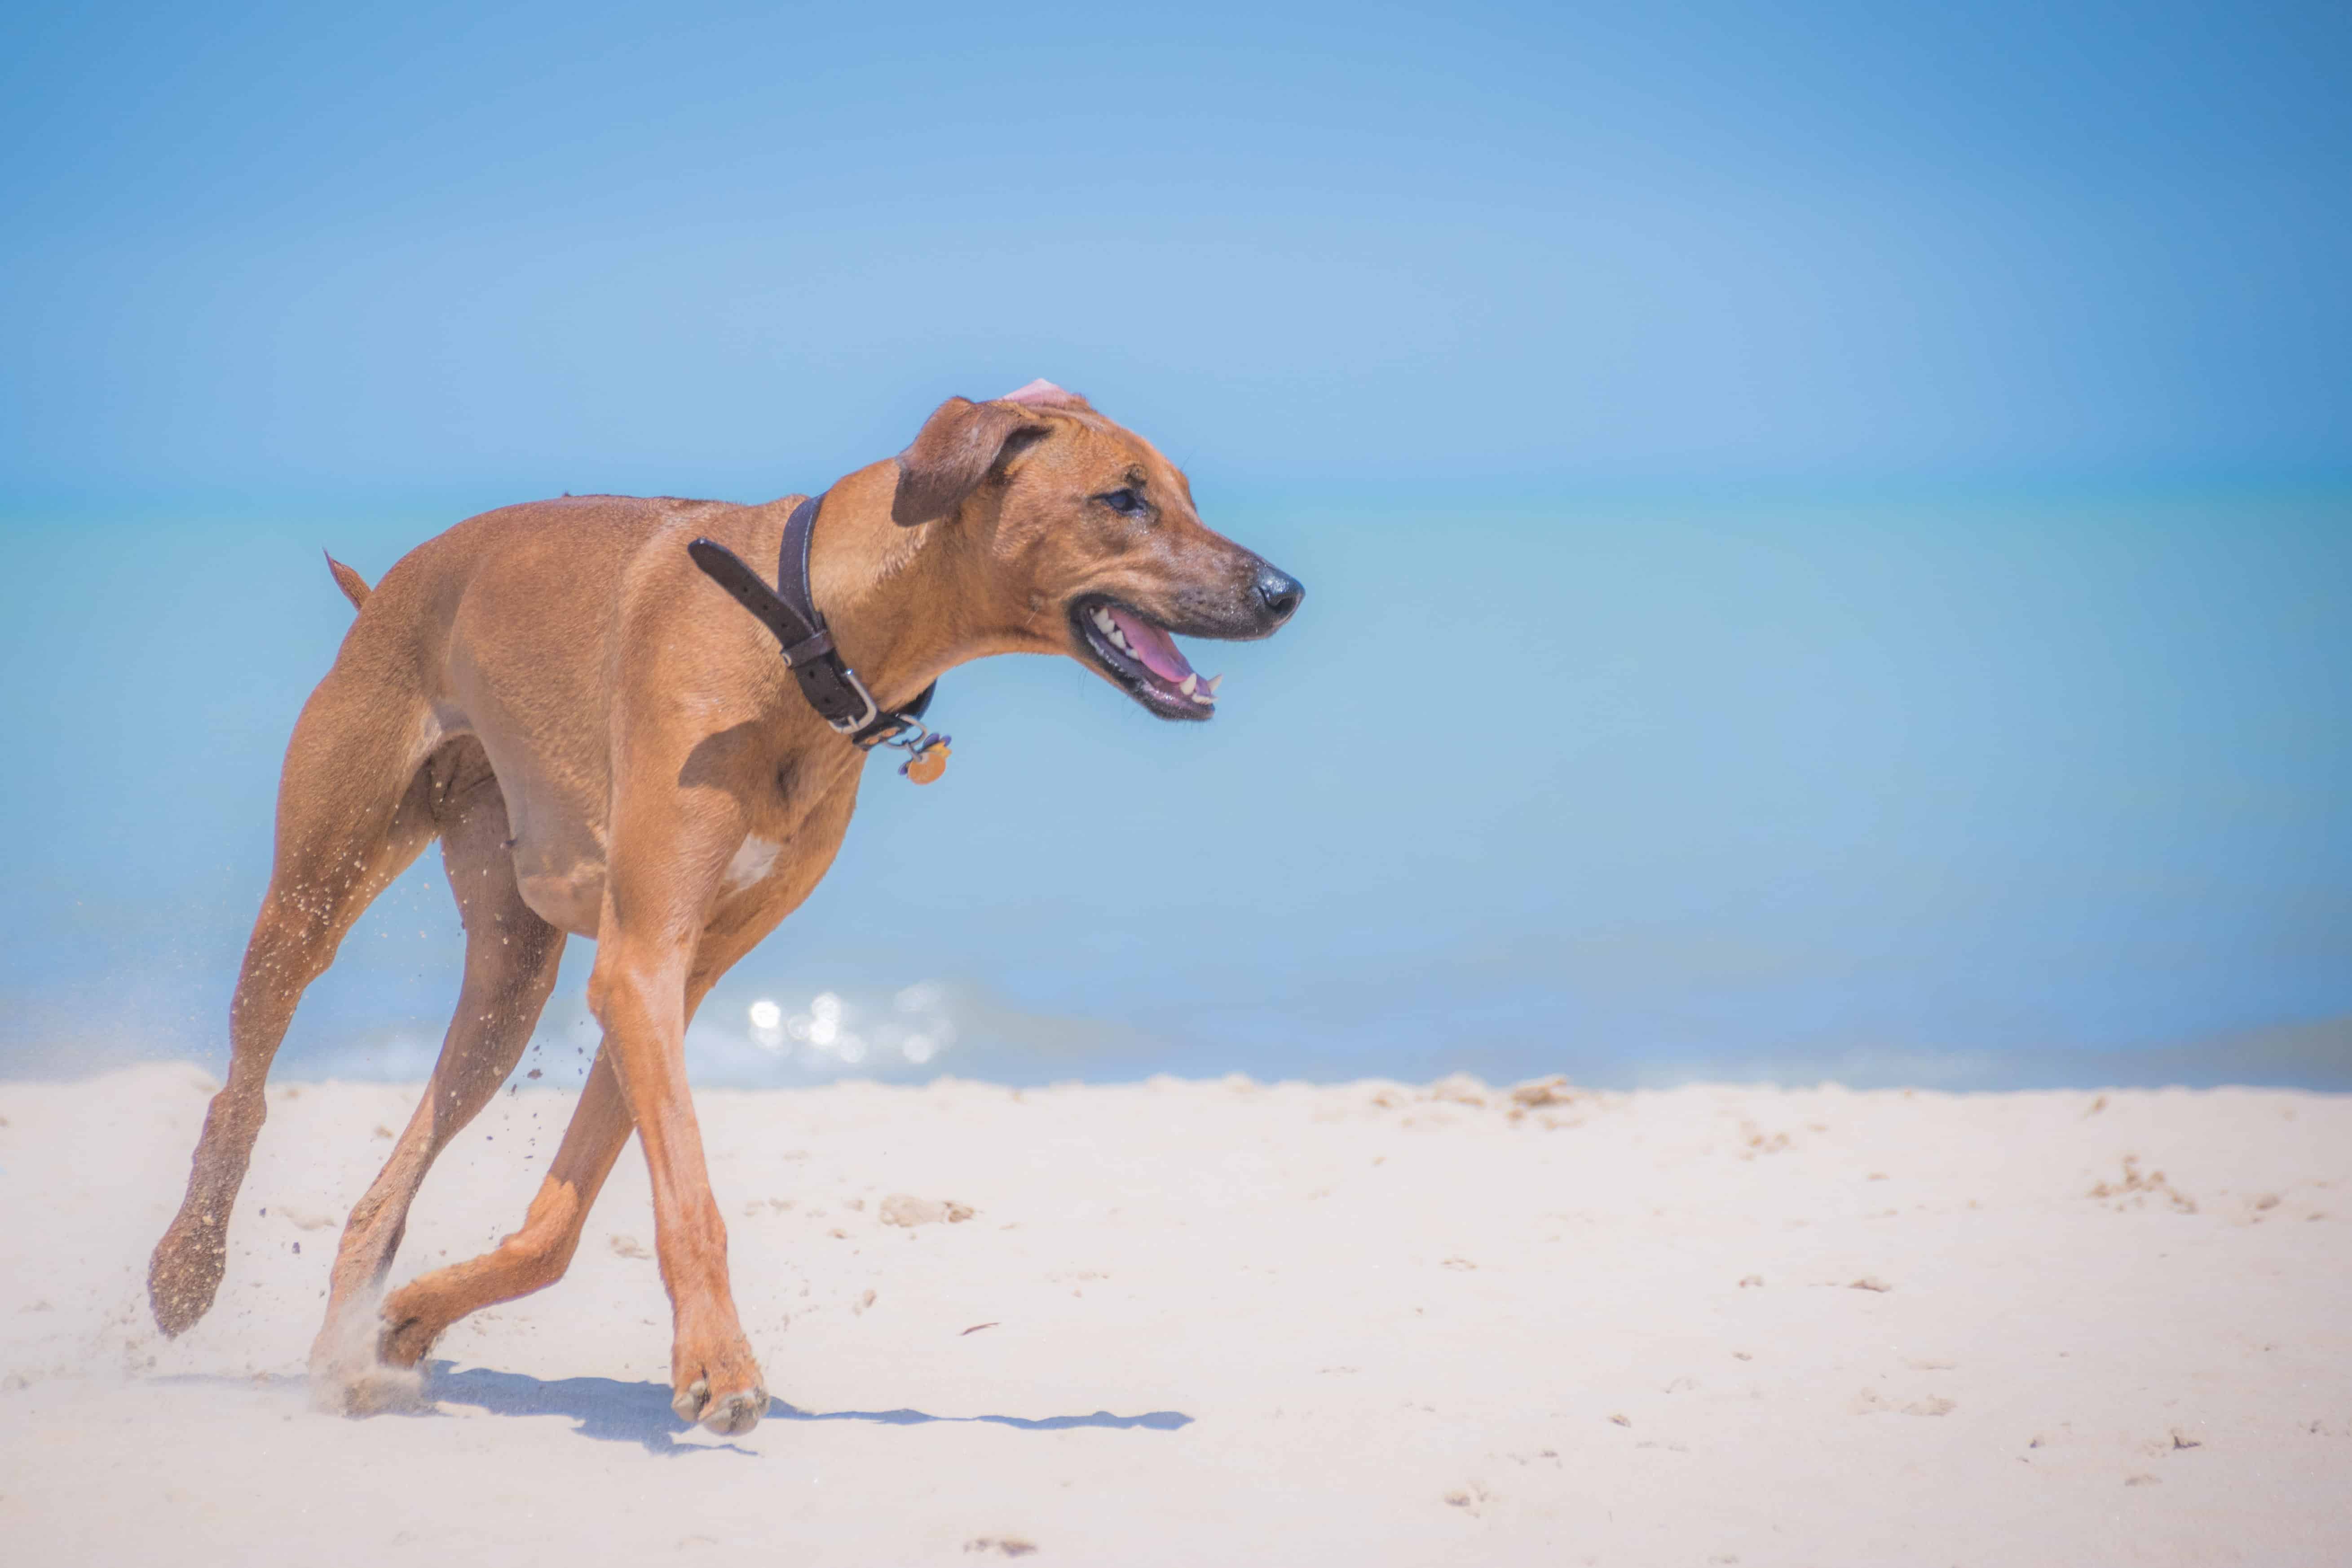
1107,624
1214,682
1189,682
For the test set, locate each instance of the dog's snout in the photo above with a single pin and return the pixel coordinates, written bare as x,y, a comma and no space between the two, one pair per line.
1279,592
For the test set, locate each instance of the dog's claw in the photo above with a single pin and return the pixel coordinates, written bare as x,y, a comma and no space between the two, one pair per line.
737,1414
728,1416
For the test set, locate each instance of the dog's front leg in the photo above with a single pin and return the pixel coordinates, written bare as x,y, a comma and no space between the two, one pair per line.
638,990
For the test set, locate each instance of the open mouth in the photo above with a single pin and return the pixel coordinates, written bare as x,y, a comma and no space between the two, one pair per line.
1137,653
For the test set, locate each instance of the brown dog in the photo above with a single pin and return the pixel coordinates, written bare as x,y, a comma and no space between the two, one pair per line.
607,746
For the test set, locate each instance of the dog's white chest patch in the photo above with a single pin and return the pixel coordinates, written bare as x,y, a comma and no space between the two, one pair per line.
752,864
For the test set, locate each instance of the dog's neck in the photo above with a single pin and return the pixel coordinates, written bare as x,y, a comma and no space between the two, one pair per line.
898,599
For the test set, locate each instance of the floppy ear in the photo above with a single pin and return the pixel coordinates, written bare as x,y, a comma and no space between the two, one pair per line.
958,447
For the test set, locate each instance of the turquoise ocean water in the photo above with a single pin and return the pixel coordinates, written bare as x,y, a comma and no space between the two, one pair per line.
1973,788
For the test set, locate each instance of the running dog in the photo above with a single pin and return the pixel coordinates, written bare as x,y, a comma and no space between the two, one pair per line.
607,746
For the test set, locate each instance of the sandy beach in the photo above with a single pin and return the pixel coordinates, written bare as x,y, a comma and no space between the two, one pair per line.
1193,1322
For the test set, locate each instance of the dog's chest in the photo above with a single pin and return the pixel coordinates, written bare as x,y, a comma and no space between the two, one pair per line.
752,864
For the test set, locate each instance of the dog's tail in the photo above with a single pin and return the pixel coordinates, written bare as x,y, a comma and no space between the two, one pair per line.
354,586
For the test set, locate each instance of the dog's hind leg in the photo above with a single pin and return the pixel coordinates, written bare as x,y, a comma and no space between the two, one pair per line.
353,809
537,1255
534,1256
511,957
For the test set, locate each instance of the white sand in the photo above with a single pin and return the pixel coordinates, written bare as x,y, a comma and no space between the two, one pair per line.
1344,1325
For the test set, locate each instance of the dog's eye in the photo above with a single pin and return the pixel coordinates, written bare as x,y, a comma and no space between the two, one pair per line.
1125,502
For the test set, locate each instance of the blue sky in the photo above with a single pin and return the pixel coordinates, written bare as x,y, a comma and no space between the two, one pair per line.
687,247
1882,476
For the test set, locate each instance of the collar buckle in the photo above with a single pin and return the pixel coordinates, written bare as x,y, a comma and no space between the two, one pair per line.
825,679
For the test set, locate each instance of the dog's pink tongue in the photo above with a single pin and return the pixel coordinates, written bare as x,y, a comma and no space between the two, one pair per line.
1155,647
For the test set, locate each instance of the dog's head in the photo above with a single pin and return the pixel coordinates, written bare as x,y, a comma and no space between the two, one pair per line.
1097,549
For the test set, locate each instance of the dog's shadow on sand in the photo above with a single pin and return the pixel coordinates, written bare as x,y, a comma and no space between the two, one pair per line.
611,1411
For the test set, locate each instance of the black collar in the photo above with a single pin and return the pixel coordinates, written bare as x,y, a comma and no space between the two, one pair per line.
831,687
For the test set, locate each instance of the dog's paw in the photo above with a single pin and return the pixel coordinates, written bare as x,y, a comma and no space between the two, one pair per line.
403,1330
349,1376
739,1400
404,1345
185,1274
729,1416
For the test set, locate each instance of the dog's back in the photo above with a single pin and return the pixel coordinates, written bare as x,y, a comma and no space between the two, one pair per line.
513,617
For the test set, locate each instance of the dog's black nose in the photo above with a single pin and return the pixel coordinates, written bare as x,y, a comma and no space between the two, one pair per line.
1279,592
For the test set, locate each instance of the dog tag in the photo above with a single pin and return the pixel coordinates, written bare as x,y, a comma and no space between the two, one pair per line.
926,765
